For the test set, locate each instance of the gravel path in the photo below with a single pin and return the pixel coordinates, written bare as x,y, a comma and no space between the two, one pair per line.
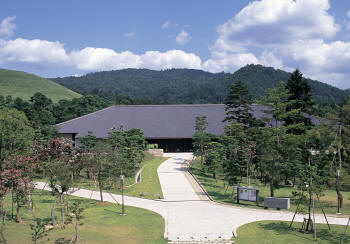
190,216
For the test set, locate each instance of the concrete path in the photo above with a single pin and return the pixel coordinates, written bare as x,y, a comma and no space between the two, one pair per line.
187,216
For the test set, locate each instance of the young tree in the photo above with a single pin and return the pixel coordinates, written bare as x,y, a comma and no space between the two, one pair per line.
341,145
201,139
234,141
99,164
215,157
75,217
238,105
39,230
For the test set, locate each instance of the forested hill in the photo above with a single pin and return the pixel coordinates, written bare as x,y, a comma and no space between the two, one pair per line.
190,86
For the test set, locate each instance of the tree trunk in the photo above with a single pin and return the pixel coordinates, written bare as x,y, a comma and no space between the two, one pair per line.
62,210
18,214
248,176
3,216
100,186
53,212
339,195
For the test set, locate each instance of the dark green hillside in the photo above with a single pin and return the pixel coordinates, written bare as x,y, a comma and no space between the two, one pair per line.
24,85
190,86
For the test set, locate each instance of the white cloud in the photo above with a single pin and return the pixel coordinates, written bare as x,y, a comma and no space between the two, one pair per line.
348,14
98,59
275,22
284,34
7,27
129,34
166,25
182,38
170,59
33,51
221,61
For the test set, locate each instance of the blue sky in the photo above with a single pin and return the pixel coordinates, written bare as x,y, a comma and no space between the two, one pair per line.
61,38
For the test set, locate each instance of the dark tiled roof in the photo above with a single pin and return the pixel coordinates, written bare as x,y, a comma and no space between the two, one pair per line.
156,121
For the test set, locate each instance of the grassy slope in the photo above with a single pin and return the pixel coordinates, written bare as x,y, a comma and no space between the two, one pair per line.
268,232
219,193
102,224
24,85
149,180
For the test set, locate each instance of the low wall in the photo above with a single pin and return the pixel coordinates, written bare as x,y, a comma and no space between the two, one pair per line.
156,152
275,202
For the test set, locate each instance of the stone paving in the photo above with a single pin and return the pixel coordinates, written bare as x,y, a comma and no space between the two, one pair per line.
189,216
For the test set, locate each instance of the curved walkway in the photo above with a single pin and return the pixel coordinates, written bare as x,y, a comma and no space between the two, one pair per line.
187,216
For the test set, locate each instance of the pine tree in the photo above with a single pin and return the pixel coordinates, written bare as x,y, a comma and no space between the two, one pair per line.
238,105
301,101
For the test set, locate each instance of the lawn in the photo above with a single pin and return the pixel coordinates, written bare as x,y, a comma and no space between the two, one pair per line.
149,180
269,232
102,224
218,192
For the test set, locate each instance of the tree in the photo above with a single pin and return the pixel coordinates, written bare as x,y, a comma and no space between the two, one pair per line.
340,147
201,139
98,164
16,134
300,93
39,230
275,143
238,105
234,141
215,157
56,156
75,217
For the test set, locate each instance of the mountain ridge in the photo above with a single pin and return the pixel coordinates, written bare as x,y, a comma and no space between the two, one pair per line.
190,85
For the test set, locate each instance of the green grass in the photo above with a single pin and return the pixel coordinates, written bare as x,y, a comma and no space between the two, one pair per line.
270,232
102,224
149,180
218,192
24,85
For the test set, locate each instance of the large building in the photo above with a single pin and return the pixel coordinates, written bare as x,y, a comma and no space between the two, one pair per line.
169,126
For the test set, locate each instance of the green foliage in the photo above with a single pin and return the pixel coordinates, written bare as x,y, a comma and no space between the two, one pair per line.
39,230
300,97
16,134
74,217
215,157
24,85
88,142
189,86
238,105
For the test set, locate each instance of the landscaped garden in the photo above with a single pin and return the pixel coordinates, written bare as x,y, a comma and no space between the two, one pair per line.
148,185
277,232
223,193
103,223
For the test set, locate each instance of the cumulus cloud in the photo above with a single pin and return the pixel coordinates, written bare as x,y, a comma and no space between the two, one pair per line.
33,51
129,34
284,34
7,27
92,59
166,25
182,38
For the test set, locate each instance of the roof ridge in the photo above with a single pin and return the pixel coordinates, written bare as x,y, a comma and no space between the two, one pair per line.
86,115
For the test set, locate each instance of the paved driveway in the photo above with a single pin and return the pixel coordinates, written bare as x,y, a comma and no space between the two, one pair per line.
187,215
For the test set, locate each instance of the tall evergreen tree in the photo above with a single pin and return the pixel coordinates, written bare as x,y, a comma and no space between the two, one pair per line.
238,105
300,94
